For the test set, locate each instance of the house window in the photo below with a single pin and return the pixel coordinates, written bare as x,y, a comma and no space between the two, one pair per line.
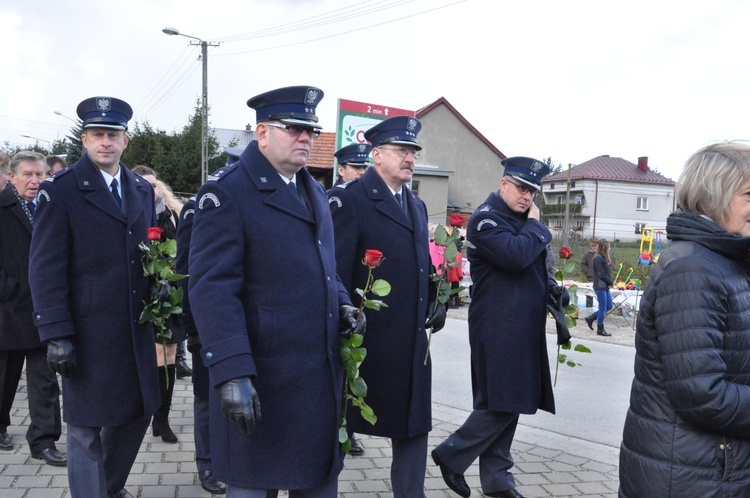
558,224
639,227
552,186
415,187
572,184
579,224
561,199
642,204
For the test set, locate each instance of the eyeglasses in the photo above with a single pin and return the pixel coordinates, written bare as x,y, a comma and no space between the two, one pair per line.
295,130
524,189
402,152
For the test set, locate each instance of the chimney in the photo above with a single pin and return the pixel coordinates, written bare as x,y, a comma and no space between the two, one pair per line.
643,164
248,127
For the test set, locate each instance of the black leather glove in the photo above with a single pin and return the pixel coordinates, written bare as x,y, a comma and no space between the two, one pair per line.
193,343
560,293
351,321
556,308
240,404
435,317
61,356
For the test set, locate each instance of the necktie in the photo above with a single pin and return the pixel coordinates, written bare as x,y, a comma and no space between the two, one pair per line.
115,193
31,206
293,186
401,202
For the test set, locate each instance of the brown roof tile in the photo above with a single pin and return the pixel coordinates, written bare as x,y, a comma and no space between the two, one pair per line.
609,168
321,155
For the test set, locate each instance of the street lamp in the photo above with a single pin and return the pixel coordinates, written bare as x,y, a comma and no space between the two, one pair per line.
66,117
204,101
37,139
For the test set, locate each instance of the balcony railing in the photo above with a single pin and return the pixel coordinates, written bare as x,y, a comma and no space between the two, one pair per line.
552,209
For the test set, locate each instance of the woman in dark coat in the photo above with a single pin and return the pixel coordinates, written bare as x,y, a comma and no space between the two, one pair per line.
602,282
167,213
687,432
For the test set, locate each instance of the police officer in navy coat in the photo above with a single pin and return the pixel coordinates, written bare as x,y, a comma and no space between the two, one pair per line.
378,211
507,320
200,371
269,308
353,160
88,290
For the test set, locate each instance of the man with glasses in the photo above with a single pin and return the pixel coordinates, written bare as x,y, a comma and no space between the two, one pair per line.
378,211
269,308
507,321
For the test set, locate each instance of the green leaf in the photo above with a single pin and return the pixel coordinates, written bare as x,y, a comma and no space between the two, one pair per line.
358,355
360,292
441,236
368,414
374,304
381,288
582,349
346,353
559,276
343,436
566,346
450,252
561,358
571,363
352,371
569,267
359,387
357,340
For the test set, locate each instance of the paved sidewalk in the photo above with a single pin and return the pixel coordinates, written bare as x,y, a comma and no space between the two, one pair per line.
547,464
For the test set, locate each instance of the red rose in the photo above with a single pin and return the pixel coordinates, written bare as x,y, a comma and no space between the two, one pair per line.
373,258
565,253
456,220
154,233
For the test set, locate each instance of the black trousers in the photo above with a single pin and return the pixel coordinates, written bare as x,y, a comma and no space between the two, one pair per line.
200,413
43,395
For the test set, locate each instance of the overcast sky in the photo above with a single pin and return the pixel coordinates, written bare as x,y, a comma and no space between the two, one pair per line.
571,80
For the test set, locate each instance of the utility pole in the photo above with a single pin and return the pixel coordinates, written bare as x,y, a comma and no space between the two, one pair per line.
204,98
566,224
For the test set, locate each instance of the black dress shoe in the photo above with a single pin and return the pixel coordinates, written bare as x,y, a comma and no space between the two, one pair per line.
123,493
210,484
356,447
455,481
508,493
5,442
51,456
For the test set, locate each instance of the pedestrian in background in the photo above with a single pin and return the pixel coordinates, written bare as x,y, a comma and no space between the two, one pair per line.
269,309
687,431
587,267
89,289
507,322
19,338
379,211
602,283
55,164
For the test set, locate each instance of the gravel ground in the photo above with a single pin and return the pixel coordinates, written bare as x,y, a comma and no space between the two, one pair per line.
621,328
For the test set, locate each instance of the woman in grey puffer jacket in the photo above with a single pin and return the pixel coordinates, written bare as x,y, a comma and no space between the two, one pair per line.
687,432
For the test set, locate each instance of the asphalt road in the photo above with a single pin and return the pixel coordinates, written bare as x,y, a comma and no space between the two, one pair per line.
591,399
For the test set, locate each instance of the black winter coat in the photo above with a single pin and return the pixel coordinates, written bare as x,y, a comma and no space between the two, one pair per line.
602,273
687,432
17,330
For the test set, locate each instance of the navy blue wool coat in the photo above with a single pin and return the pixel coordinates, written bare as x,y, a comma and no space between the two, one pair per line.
265,297
87,285
508,313
367,216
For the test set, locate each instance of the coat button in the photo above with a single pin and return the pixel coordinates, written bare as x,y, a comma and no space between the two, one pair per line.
721,446
209,356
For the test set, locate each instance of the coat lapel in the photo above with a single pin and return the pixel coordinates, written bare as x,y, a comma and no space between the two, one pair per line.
266,179
378,192
136,194
90,180
8,198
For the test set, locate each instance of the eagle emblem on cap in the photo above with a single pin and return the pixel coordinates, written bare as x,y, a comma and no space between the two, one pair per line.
103,104
536,166
361,148
411,125
311,97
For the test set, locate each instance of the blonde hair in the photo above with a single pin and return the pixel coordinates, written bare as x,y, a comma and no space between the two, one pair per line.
602,248
711,177
172,202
